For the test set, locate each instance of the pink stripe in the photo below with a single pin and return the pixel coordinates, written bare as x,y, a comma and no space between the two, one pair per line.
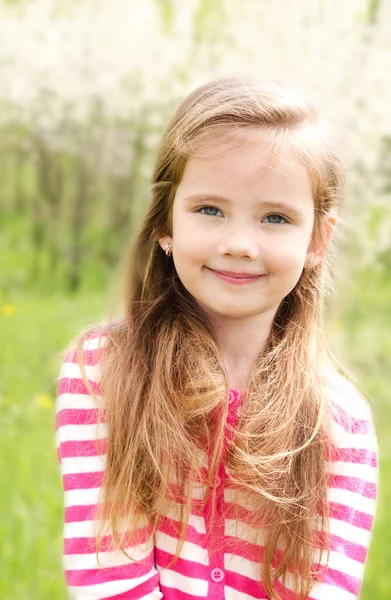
73,385
353,425
171,527
285,593
347,548
90,357
353,484
245,549
140,591
360,456
85,448
77,514
82,481
342,581
237,512
76,416
255,553
183,566
85,577
242,583
86,545
350,515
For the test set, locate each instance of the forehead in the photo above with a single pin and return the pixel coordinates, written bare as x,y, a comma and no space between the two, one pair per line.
257,165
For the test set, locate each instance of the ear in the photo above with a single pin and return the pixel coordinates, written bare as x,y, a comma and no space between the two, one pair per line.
164,241
328,224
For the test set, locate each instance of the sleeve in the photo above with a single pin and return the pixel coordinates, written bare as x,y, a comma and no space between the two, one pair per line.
352,499
114,576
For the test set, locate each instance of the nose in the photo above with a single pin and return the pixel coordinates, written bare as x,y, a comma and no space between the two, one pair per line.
240,243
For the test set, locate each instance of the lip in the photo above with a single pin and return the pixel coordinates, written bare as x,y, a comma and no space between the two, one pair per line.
234,277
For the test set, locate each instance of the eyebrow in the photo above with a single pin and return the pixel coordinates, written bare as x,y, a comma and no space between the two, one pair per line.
275,205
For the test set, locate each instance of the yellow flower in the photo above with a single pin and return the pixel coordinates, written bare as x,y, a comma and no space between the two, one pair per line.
44,400
8,310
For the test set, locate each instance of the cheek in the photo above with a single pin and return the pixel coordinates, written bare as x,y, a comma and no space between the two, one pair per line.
188,248
280,250
190,243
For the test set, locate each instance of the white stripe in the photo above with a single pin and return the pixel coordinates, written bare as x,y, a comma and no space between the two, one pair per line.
234,528
191,585
72,370
76,401
238,497
88,529
340,562
79,529
173,512
352,500
112,588
364,472
198,523
100,341
198,492
83,464
76,433
324,591
242,566
344,439
350,532
81,497
190,551
344,396
107,559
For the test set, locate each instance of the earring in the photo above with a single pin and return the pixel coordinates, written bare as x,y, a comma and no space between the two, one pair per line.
310,262
168,250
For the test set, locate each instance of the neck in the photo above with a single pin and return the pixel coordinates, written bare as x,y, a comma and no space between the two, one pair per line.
240,342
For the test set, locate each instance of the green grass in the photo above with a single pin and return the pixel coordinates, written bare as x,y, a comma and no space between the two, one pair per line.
31,498
31,494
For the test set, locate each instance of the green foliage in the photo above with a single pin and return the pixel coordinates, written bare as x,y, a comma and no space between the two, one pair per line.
166,9
373,10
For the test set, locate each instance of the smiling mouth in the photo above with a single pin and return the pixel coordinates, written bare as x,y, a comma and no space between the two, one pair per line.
235,275
236,278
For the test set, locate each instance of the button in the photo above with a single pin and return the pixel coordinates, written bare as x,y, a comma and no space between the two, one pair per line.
217,482
217,575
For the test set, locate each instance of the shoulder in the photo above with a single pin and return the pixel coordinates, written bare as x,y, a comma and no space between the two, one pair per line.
348,405
352,425
80,372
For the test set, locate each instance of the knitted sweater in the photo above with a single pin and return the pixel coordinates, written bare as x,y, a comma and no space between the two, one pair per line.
230,572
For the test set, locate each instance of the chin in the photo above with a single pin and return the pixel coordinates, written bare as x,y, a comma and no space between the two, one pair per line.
230,312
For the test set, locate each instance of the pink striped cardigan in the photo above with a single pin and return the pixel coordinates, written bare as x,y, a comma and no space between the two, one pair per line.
202,571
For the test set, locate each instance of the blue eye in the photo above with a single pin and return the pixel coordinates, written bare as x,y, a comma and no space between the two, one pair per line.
274,222
212,208
212,211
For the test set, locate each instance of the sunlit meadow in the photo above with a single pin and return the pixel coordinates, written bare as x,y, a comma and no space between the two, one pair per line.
85,90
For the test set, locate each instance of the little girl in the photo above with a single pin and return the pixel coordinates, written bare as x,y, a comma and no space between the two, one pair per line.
210,446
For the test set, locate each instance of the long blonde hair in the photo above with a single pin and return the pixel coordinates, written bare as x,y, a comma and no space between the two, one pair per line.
163,380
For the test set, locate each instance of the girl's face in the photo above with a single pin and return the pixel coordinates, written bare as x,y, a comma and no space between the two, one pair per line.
248,213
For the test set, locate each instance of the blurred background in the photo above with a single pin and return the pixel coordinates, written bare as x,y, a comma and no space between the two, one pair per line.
86,88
